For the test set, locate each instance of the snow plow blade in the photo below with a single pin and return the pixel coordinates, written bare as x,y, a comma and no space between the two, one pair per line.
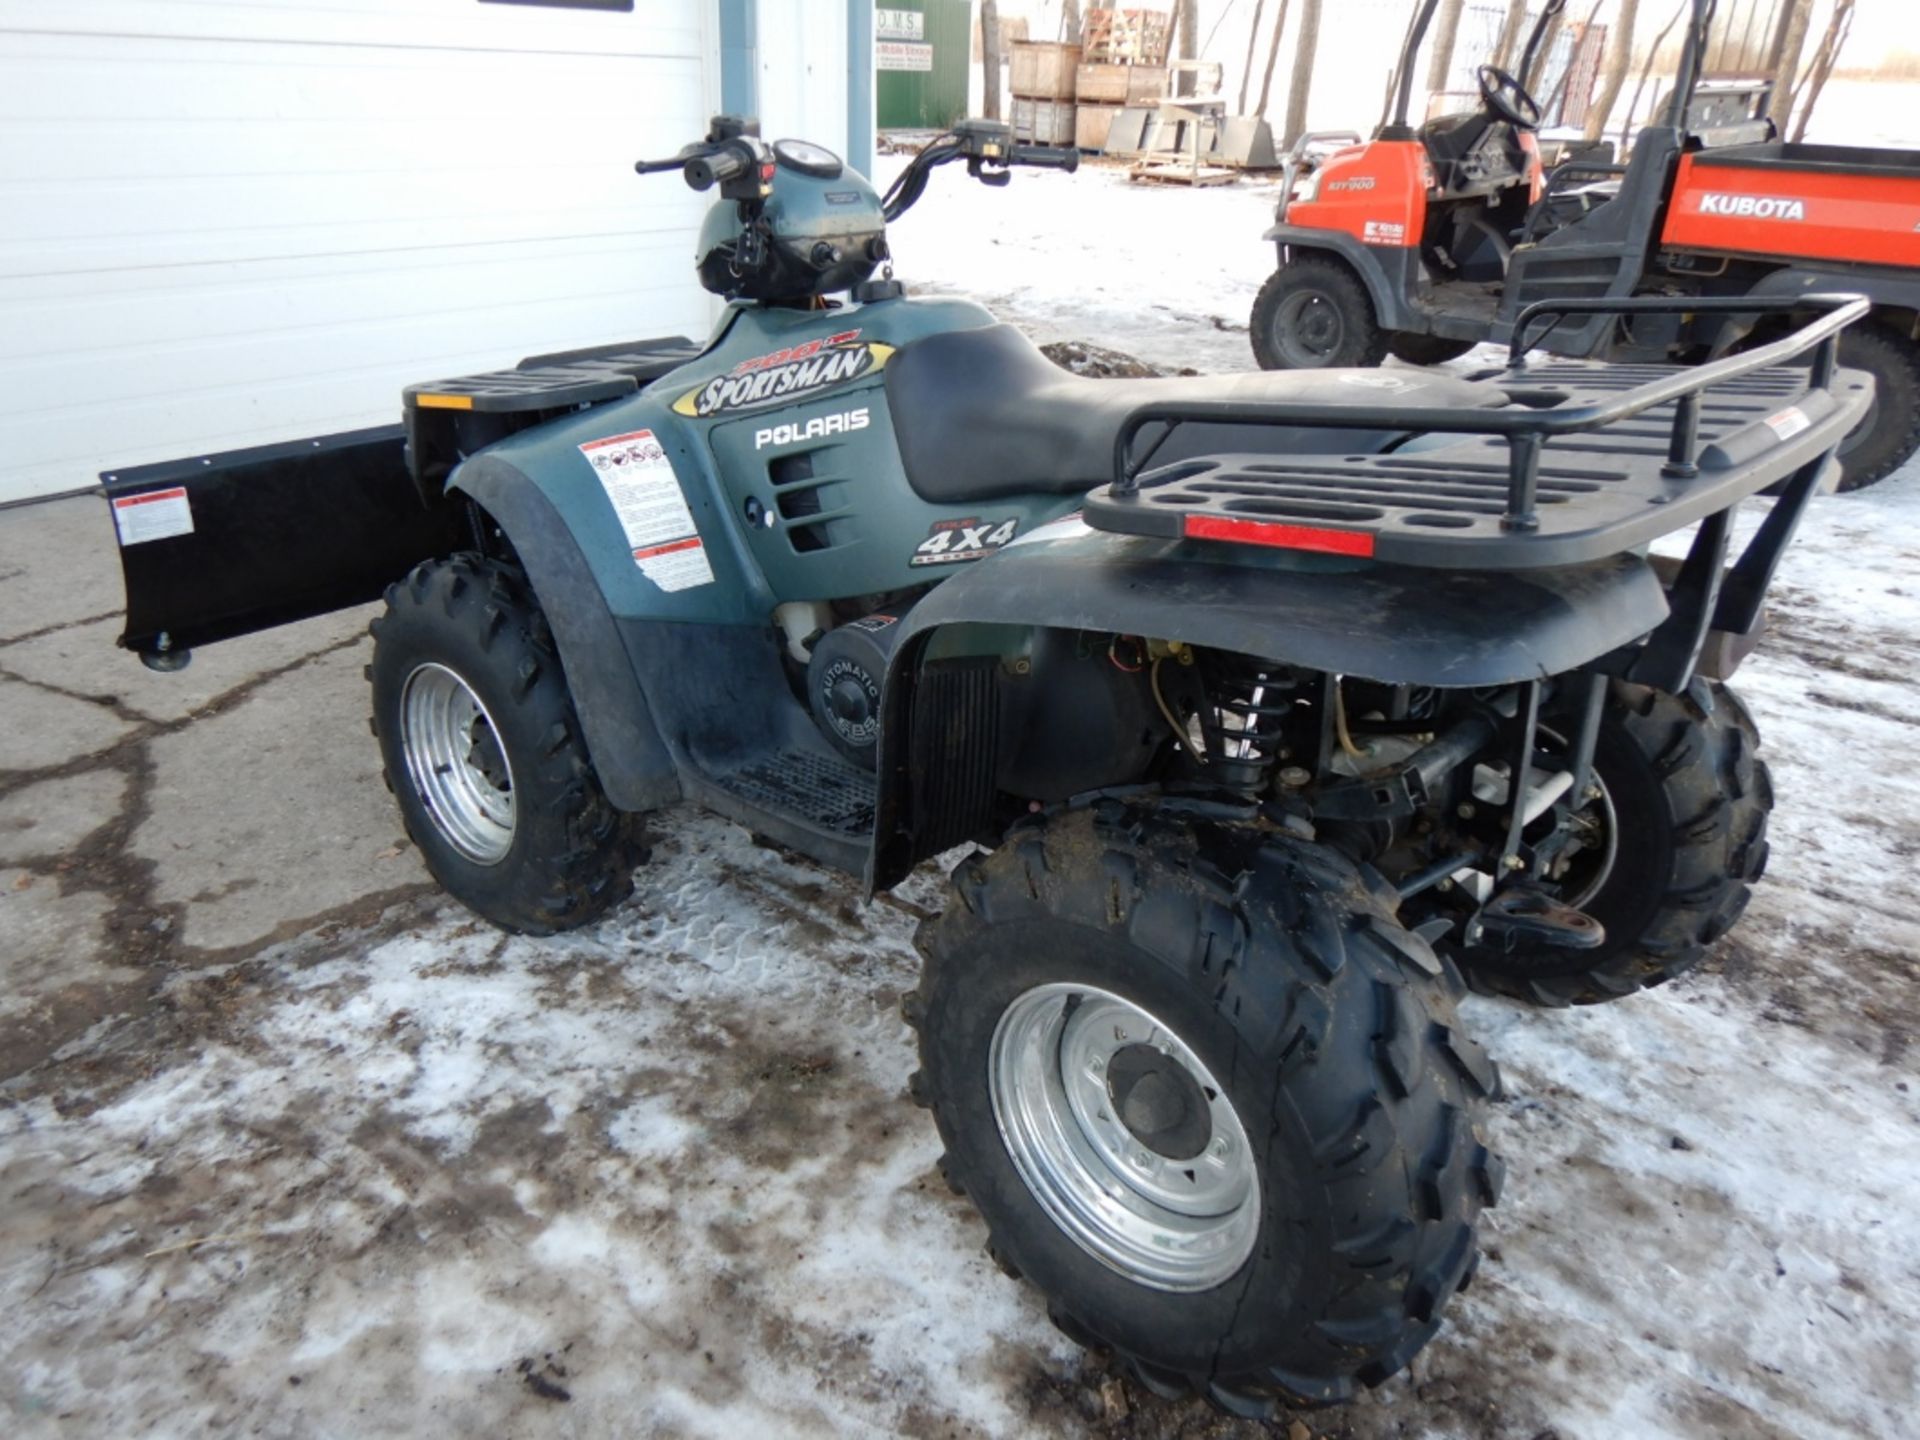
224,545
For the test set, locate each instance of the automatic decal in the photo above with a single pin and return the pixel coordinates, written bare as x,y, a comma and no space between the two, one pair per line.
786,374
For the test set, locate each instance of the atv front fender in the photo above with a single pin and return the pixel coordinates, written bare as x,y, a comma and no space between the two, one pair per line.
1393,624
635,767
1386,270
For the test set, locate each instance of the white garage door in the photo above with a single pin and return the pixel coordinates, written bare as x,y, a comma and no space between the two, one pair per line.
227,222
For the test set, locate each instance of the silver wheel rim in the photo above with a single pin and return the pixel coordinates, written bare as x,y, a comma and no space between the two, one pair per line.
457,763
1179,1222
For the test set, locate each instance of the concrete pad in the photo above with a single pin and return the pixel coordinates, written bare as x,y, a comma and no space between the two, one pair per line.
274,812
39,728
50,945
91,651
53,817
59,562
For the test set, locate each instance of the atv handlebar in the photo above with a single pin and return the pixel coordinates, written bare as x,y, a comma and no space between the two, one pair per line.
1046,157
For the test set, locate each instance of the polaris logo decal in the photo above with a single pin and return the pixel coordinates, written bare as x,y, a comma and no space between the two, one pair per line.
785,375
817,428
955,541
1753,207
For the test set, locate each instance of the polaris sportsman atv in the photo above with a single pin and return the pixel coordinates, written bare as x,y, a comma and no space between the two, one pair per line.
1265,704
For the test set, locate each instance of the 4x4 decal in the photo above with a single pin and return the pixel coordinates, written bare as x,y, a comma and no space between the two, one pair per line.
955,541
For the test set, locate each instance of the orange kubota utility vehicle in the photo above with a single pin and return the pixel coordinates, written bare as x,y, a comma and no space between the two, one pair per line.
1426,241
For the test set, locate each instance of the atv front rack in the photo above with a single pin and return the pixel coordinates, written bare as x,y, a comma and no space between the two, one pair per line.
1586,459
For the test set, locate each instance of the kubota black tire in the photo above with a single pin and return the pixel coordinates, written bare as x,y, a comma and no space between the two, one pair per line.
564,854
1328,1029
1889,436
1313,313
1690,797
1418,349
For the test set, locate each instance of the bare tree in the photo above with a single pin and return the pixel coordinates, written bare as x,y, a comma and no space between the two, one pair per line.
1253,34
1646,70
1070,21
1273,57
1614,77
1824,58
1443,42
990,57
1186,24
1507,51
1298,87
1788,42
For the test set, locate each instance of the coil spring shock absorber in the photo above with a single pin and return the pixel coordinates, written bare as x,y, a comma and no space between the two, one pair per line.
1249,703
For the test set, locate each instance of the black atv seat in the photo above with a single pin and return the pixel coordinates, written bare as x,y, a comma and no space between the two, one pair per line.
982,414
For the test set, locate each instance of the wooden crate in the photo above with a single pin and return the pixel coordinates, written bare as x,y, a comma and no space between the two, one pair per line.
1091,124
1126,37
1043,122
1105,84
1042,70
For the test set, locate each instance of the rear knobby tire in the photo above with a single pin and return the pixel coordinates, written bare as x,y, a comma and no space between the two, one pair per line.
1313,313
1690,797
1332,1032
567,854
1418,349
1889,436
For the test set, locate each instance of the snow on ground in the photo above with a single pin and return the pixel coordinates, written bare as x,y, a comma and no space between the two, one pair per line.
660,1177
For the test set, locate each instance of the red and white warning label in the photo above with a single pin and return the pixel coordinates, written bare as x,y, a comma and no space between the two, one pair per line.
156,515
638,477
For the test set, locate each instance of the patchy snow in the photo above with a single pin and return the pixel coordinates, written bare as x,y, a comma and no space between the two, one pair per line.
660,1177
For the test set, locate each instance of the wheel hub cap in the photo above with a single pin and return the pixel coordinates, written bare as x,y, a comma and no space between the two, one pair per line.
1124,1137
457,764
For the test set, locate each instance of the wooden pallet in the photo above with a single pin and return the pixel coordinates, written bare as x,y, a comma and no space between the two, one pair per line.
1125,37
1177,173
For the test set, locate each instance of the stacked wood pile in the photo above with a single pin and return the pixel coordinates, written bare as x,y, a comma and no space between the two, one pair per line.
1123,61
1043,77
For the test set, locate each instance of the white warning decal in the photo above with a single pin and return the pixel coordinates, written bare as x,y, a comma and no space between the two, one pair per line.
639,480
156,515
1789,422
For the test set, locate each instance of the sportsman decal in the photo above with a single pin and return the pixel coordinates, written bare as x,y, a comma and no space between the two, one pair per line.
952,542
786,375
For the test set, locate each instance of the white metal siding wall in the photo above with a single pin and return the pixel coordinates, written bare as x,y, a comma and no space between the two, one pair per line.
227,222
803,72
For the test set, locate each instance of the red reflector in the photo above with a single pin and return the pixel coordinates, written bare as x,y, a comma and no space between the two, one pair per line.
1281,537
766,172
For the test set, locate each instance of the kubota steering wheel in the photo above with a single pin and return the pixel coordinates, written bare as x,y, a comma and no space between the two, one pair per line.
1508,98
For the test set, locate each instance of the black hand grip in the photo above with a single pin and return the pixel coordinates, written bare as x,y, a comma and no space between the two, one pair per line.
706,171
1047,157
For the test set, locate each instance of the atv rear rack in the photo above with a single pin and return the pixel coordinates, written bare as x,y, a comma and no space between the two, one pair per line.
1586,461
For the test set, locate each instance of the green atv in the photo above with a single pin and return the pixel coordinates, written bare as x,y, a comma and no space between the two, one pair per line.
1261,708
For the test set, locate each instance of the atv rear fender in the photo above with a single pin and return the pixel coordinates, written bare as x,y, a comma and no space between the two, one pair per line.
1388,271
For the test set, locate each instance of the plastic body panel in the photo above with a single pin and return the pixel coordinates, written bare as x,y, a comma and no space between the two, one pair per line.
1798,202
1375,193
735,466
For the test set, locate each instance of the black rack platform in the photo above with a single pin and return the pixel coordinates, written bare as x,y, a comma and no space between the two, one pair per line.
1588,460
558,381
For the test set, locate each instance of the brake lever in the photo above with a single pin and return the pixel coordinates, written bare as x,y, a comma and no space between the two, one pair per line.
976,168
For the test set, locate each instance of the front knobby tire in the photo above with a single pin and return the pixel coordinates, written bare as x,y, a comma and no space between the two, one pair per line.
1306,1020
1686,799
485,756
1313,313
